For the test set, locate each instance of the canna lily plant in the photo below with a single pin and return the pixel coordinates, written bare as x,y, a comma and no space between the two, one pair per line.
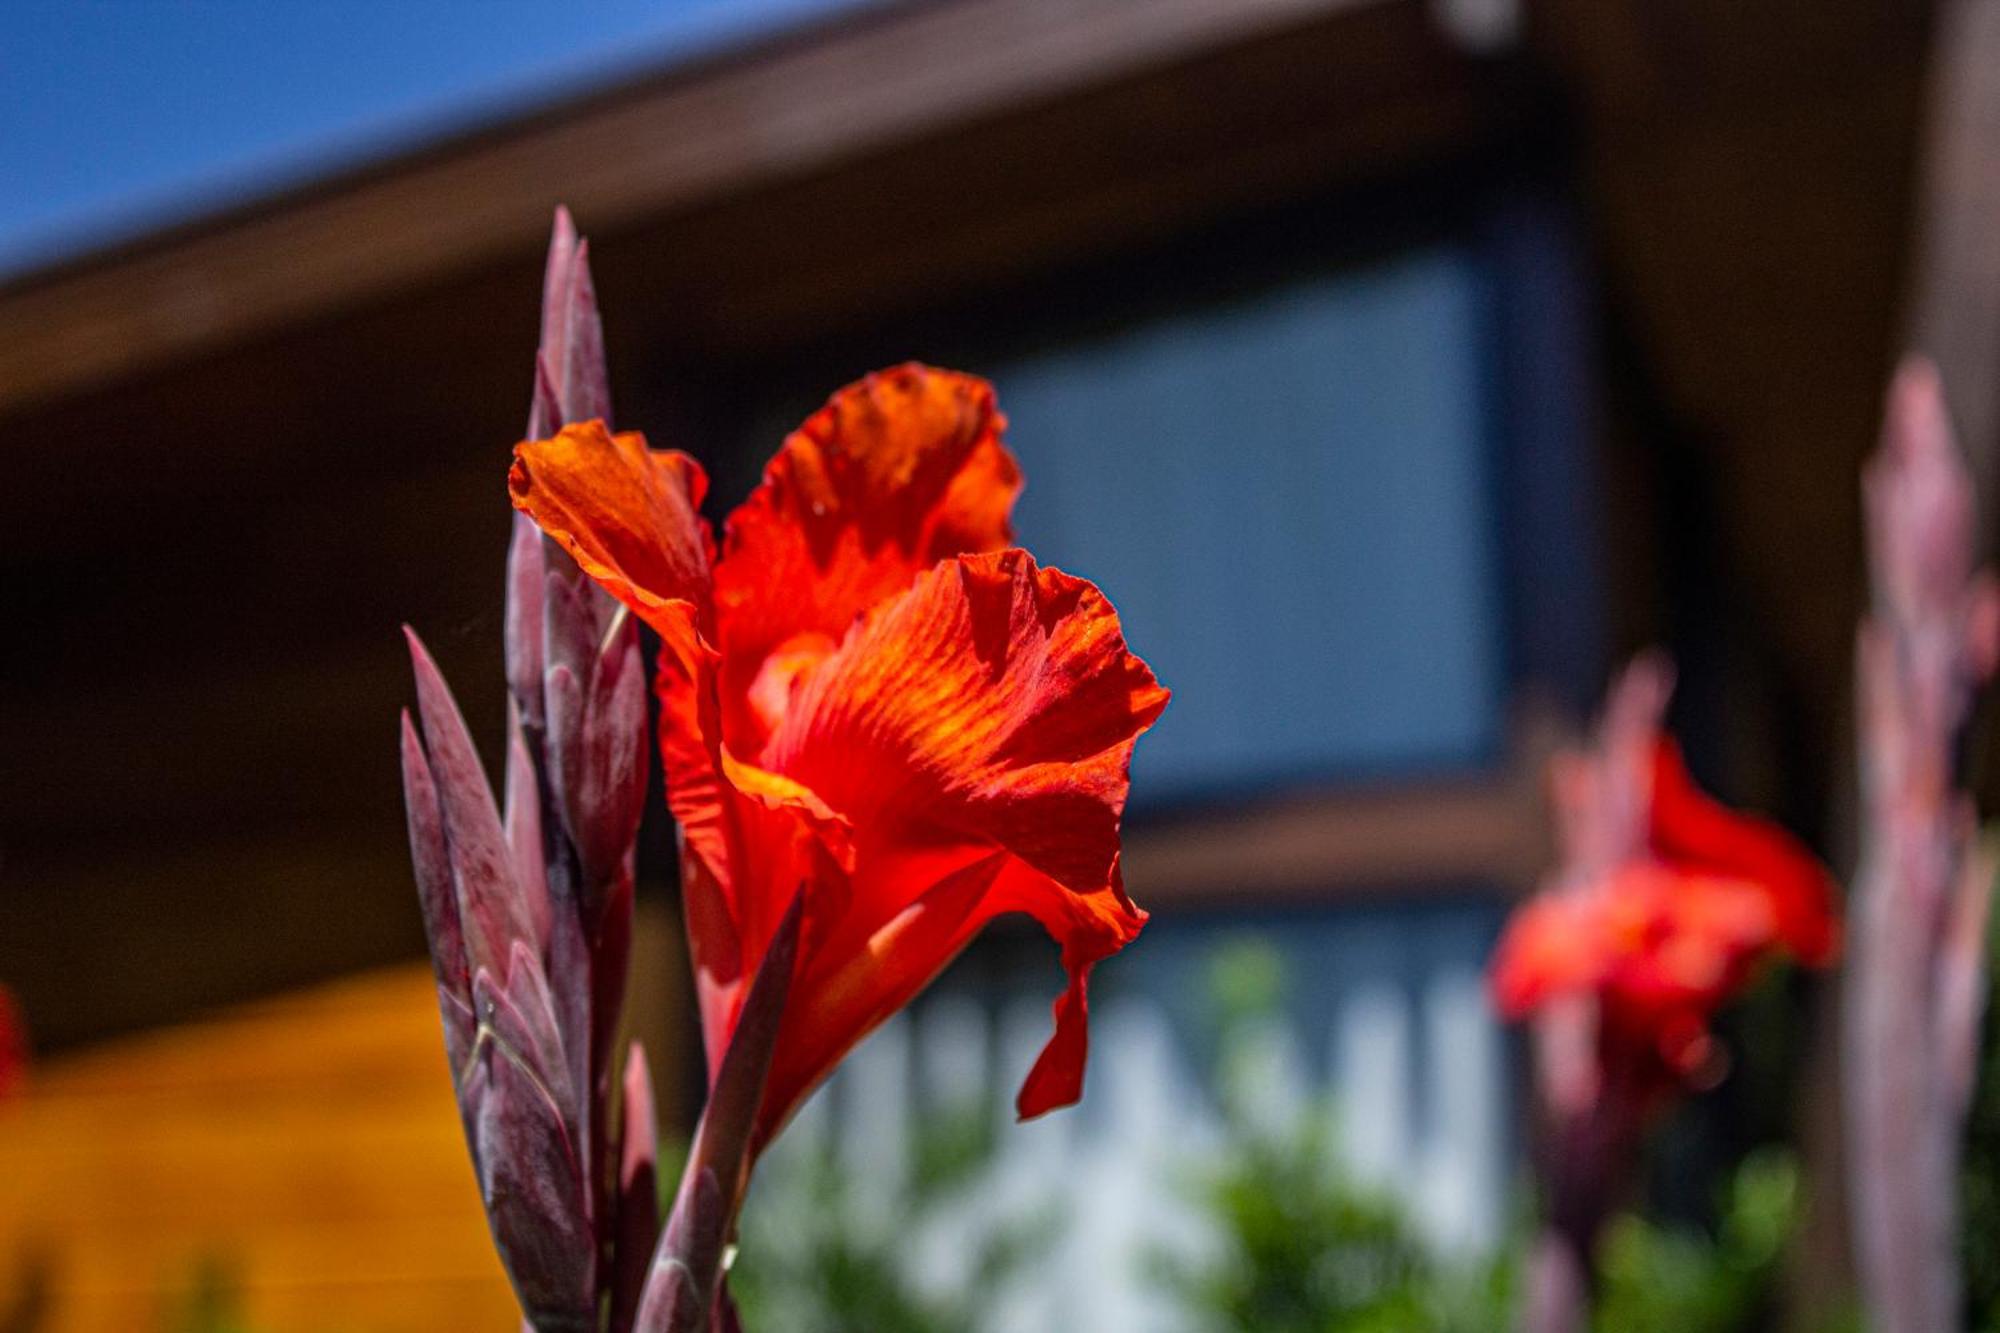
882,726
1923,888
1663,906
528,902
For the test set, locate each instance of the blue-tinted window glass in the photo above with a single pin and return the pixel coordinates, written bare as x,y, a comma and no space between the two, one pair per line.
1286,496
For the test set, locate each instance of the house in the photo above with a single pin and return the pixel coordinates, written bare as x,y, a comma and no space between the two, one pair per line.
1393,364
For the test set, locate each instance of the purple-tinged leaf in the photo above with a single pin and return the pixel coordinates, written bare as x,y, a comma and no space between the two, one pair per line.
572,344
597,749
618,737
689,1267
520,1015
610,963
491,912
572,974
586,384
545,408
1921,509
718,1168
562,691
726,1319
532,1182
431,858
638,1198
573,619
526,570
460,1031
723,1139
1962,975
556,275
673,1303
524,829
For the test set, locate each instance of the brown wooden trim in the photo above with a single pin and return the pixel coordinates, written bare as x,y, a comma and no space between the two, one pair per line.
885,77
1470,831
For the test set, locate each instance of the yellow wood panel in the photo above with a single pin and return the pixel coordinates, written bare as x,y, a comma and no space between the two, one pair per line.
304,1152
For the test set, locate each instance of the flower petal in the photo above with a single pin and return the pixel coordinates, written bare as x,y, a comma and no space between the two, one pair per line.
851,987
993,707
1554,944
1056,1078
628,515
898,471
750,840
1692,829
997,701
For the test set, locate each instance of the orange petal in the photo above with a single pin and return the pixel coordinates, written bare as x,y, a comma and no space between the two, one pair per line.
996,700
744,843
850,987
1056,1079
1691,828
896,472
1554,944
628,515
781,840
993,707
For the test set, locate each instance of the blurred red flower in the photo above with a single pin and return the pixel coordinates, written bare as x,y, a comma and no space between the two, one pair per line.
1667,901
13,1046
869,698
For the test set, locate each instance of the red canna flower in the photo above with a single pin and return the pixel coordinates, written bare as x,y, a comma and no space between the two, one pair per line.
1667,901
13,1046
870,700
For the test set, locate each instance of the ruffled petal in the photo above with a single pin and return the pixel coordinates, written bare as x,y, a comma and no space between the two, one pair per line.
992,708
627,514
997,701
858,977
1089,930
898,471
1692,829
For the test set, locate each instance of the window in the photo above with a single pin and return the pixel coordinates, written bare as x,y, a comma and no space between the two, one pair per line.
1286,496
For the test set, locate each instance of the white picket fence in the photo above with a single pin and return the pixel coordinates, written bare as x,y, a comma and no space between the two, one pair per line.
1416,1069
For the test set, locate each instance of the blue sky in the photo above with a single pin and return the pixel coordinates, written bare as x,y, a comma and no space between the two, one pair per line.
119,115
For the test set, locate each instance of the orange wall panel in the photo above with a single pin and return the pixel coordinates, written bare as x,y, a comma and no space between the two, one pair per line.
304,1154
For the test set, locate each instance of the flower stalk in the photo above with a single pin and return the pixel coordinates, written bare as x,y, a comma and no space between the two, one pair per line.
1922,891
529,913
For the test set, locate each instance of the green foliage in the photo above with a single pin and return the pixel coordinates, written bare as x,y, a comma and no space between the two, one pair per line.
1299,1246
1304,1250
825,1251
1664,1279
